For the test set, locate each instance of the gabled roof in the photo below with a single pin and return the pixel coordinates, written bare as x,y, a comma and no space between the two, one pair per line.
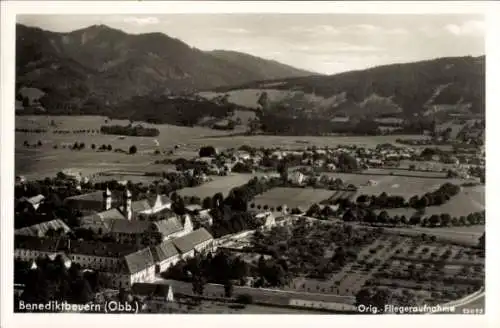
35,243
111,214
95,222
42,228
99,248
129,227
141,205
147,289
139,260
169,226
97,196
164,251
165,199
187,243
35,199
193,207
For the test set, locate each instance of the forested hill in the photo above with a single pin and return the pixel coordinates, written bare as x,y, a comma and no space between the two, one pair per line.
426,87
103,65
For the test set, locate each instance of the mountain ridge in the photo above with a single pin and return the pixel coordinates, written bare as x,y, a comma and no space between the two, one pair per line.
414,87
118,65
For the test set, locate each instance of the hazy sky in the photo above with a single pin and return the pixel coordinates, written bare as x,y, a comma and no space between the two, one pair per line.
325,43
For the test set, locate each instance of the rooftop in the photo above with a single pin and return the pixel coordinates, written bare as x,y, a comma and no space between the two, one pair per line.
139,260
168,226
186,243
164,251
41,229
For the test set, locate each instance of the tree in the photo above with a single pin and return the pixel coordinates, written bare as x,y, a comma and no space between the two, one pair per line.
218,200
82,291
347,163
362,199
207,151
482,241
39,143
244,299
434,220
178,206
228,289
263,100
283,170
92,146
132,150
383,217
445,219
314,210
207,203
198,285
109,148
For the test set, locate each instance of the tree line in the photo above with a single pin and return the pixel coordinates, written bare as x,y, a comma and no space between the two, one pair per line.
129,130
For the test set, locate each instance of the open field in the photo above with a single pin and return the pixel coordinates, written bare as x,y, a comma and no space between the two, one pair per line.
222,184
44,159
292,197
392,184
399,172
469,200
435,166
460,235
299,142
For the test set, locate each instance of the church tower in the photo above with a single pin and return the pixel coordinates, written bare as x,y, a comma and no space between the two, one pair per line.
127,198
107,199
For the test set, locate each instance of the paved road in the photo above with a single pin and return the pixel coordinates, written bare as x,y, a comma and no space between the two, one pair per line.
259,294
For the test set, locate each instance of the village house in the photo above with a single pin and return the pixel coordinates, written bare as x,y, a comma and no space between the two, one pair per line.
269,219
30,203
243,155
297,177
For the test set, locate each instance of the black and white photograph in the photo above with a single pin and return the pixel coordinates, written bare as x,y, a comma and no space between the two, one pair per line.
248,163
